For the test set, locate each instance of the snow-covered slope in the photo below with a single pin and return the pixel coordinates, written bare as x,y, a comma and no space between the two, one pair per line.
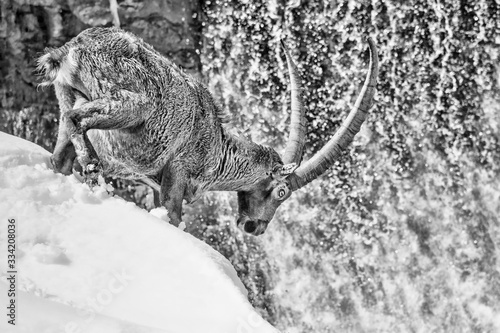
90,262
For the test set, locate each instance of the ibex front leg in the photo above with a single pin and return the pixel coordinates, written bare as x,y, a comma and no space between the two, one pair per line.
173,187
105,114
64,153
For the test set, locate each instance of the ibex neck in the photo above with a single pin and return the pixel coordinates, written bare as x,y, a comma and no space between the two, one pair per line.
241,164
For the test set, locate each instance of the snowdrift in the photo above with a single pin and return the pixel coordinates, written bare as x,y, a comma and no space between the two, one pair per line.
90,262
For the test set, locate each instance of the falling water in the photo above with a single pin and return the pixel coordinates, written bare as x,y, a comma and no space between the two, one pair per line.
403,235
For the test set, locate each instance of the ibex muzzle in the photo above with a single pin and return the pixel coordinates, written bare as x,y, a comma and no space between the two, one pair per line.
127,111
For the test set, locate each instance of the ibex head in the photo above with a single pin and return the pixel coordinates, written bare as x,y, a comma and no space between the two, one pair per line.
258,205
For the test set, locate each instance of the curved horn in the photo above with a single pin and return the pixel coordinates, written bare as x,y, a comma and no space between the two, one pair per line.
297,137
323,159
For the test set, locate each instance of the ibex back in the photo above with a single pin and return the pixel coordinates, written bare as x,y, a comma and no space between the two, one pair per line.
129,112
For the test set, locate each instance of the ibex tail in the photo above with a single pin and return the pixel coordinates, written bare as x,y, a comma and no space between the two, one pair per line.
56,65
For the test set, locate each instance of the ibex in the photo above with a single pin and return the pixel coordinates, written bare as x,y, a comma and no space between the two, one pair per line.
129,112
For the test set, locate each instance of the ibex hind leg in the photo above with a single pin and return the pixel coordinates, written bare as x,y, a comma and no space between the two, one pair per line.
86,161
64,157
87,158
104,114
64,153
124,110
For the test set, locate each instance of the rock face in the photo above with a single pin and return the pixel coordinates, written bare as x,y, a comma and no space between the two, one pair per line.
28,26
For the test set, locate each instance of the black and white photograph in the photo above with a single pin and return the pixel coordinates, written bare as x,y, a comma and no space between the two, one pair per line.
223,166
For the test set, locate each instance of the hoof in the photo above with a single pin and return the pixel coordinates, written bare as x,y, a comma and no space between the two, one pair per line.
91,181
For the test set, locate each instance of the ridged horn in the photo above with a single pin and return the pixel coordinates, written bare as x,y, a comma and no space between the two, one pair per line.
324,159
297,137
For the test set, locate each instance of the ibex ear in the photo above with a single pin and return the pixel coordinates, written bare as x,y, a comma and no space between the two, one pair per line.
284,171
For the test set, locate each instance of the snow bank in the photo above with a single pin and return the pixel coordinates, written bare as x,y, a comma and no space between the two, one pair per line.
90,262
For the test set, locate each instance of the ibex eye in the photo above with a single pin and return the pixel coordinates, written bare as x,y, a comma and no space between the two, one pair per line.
281,193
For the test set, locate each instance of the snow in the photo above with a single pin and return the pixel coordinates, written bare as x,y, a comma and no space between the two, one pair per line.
91,262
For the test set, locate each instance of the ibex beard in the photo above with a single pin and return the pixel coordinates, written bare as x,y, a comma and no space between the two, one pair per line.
127,111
